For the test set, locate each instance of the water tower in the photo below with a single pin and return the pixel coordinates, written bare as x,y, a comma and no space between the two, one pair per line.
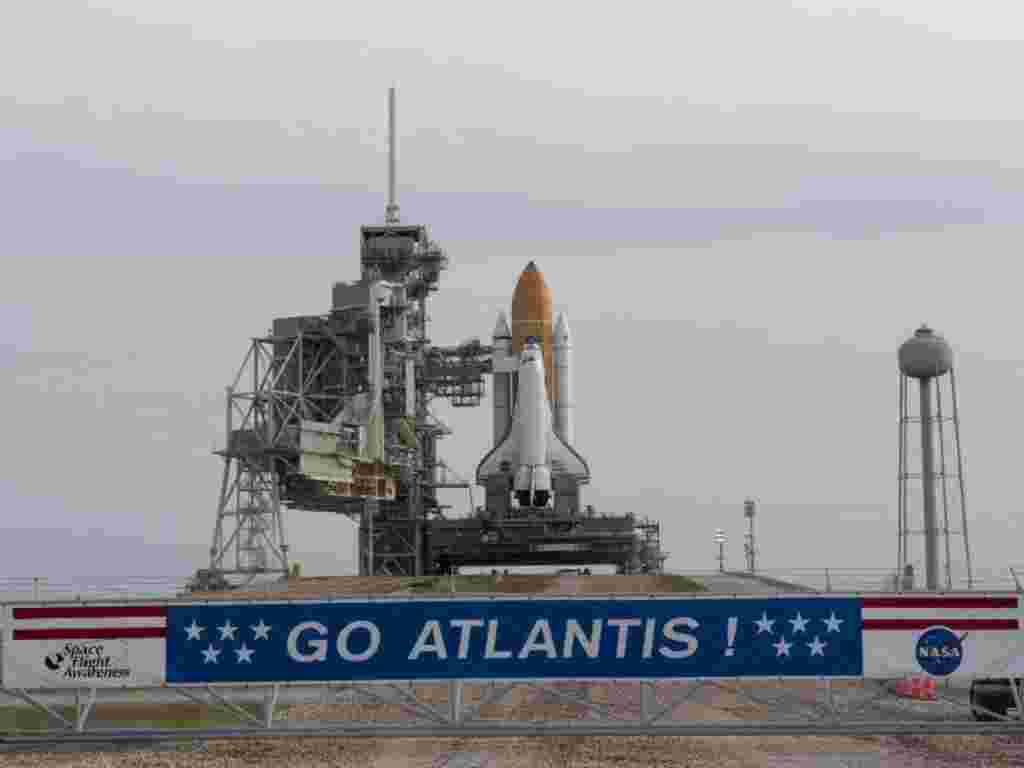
928,358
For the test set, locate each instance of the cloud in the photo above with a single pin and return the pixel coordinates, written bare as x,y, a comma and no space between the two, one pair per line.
743,220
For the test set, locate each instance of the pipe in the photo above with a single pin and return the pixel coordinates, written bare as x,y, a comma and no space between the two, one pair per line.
931,544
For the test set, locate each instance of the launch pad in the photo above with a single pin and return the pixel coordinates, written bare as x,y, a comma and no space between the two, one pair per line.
332,412
537,538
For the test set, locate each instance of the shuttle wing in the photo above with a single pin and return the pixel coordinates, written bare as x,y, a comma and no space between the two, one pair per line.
564,460
505,451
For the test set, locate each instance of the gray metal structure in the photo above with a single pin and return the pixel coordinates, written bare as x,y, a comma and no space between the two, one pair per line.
645,708
750,545
545,537
364,374
927,357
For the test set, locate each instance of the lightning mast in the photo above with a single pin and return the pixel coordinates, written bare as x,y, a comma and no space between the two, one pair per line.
391,212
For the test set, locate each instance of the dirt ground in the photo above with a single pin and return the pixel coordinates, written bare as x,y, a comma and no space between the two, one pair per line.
649,584
568,752
311,587
346,586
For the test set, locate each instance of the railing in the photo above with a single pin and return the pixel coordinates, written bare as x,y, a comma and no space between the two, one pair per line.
13,588
1009,579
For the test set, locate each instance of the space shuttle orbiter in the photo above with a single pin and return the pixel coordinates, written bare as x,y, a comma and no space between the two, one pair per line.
533,460
531,453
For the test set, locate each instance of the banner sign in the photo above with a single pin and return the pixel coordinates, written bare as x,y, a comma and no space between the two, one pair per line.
511,639
820,636
941,635
85,646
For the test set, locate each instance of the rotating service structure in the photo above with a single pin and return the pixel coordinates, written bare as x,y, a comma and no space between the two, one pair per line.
337,417
331,412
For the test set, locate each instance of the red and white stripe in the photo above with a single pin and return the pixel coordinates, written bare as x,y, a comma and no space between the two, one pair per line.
89,622
958,612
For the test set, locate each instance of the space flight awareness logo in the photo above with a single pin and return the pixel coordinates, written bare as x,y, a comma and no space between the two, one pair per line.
89,661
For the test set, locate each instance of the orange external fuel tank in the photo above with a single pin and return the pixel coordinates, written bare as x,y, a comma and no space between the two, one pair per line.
531,316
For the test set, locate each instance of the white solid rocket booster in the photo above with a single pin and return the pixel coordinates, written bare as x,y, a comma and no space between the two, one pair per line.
563,405
502,399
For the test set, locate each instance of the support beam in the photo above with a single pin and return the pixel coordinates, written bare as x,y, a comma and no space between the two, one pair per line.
83,710
25,696
455,701
270,704
890,727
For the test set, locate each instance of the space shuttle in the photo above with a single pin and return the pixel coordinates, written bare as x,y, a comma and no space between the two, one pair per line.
532,462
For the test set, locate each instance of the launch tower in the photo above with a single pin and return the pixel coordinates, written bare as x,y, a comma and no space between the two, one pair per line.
332,412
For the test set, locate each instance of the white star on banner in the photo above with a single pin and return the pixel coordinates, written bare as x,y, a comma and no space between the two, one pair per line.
764,624
261,630
817,647
799,623
210,655
782,647
227,631
244,654
193,631
833,623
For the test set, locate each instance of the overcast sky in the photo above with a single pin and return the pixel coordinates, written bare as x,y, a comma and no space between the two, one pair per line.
744,207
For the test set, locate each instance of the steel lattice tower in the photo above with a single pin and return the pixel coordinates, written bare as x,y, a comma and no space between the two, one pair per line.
350,386
928,358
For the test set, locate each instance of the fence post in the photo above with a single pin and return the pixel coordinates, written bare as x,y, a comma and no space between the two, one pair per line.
1016,580
455,701
647,699
270,704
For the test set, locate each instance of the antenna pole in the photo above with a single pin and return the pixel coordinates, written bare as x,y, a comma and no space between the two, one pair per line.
391,213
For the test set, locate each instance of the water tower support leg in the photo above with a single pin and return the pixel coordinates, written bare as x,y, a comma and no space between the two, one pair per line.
931,543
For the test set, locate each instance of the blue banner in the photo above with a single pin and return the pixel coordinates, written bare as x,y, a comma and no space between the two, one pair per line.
514,639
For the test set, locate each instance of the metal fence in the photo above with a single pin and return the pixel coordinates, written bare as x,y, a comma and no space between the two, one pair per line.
1007,579
42,588
843,580
519,708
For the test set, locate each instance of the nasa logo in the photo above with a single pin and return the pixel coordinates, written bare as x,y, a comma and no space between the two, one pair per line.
54,661
939,651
